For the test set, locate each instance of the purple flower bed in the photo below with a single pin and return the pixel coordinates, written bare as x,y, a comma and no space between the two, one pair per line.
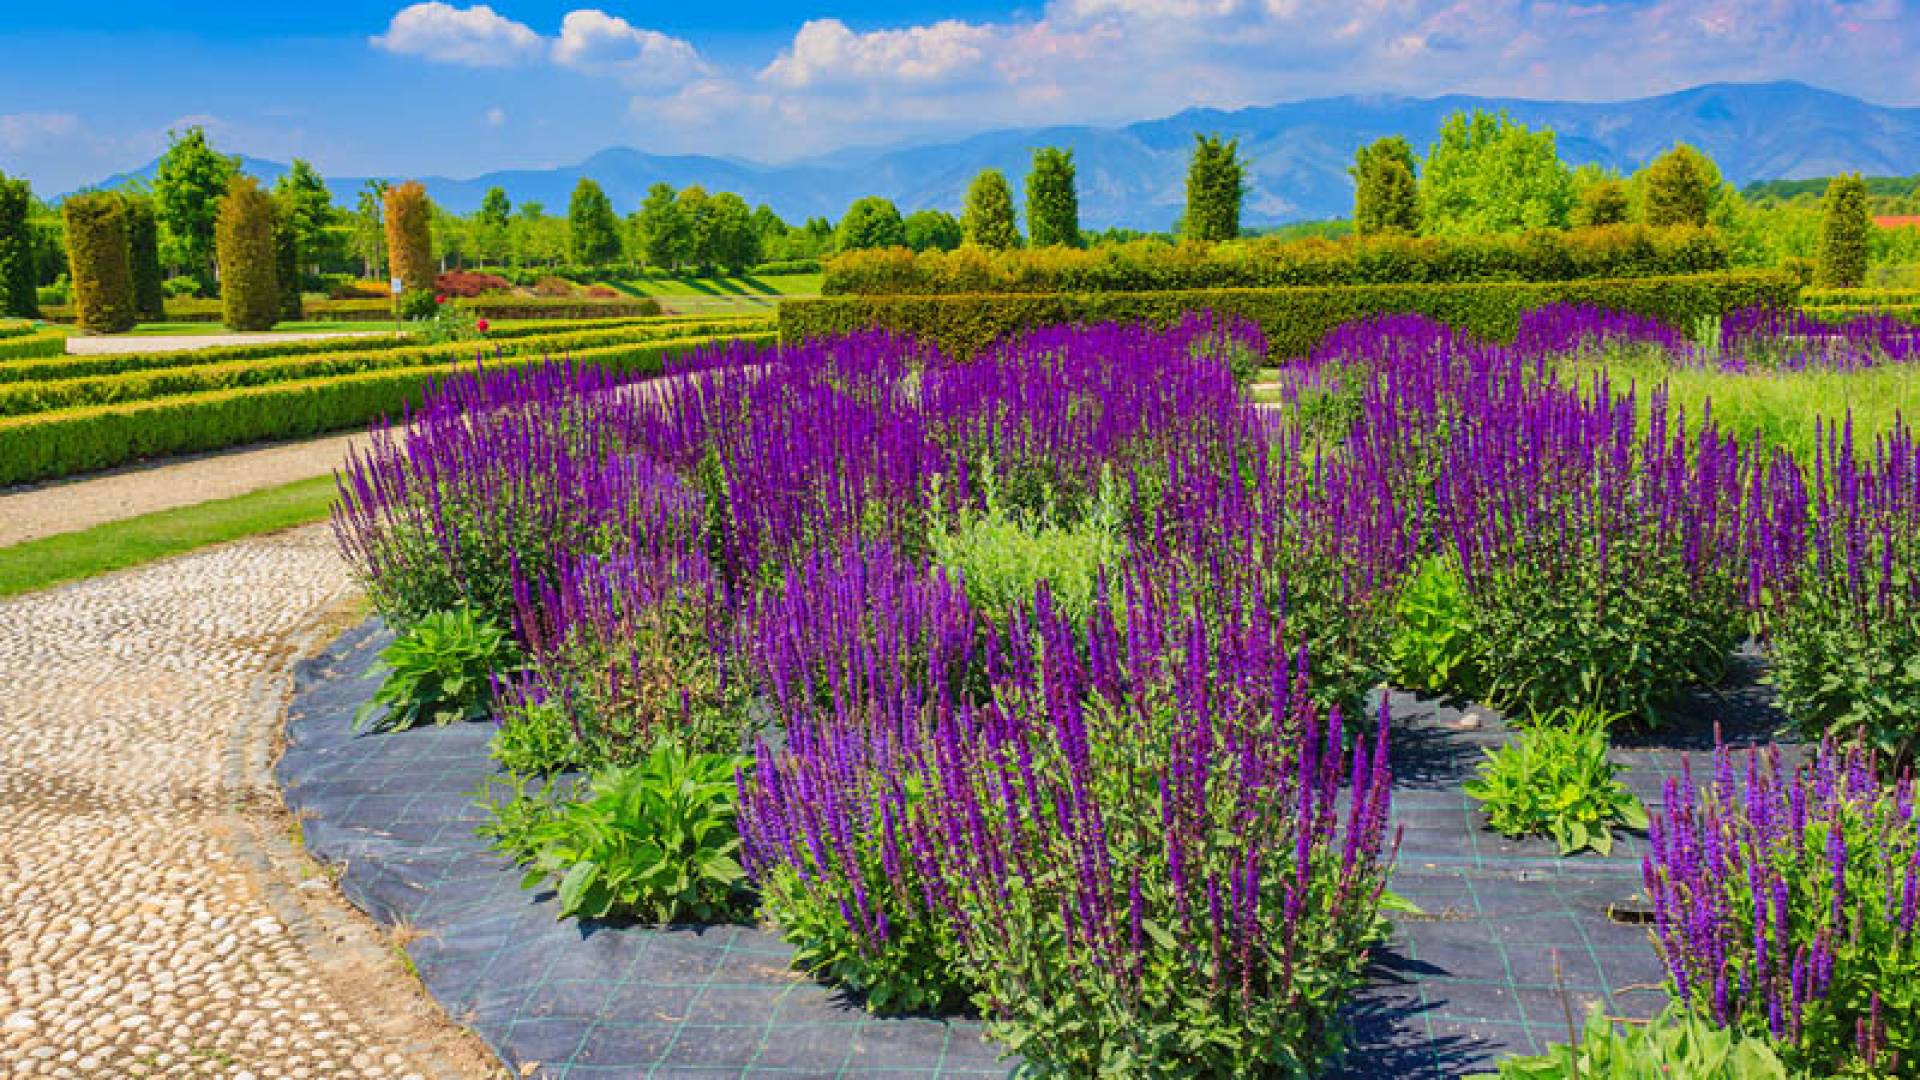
1045,668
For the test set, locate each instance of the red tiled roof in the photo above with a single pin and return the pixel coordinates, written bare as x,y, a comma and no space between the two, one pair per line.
1897,221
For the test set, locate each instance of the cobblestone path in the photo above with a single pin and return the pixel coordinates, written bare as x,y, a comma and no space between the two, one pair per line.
147,927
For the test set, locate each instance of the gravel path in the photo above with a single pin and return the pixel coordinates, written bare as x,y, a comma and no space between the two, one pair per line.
139,935
64,506
84,345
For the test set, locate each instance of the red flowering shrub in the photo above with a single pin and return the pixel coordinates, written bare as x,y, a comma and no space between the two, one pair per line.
603,292
553,286
467,283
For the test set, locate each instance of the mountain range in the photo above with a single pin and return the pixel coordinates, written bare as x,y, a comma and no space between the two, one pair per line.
1297,152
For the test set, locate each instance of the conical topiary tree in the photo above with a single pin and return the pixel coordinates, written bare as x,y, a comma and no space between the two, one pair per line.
1216,184
1845,227
409,216
989,220
97,262
243,240
1053,203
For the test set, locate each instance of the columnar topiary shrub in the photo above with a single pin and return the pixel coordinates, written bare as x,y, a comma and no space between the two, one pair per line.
286,261
97,262
1053,206
17,296
143,260
1216,182
244,247
989,220
1386,196
410,236
1844,229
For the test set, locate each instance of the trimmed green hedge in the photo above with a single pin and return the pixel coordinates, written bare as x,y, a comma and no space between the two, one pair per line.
1839,313
12,328
54,444
1859,298
20,398
81,367
37,345
1606,251
1294,320
367,310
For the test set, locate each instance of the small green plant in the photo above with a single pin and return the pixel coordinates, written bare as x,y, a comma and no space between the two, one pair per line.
1555,780
1677,1045
1001,555
654,841
440,670
1432,641
535,737
436,320
918,970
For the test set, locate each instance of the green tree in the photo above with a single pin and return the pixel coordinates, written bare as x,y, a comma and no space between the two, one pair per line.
369,227
933,230
493,237
187,189
143,259
409,218
306,206
1386,188
244,245
287,254
871,222
1678,188
1488,174
770,229
988,218
18,298
97,262
1053,201
1216,184
663,229
538,239
1604,202
593,233
734,242
1845,230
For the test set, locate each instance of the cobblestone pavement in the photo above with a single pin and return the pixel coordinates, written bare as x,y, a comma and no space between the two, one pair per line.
138,935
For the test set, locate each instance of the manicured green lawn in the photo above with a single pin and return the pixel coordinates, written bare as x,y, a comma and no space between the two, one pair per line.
724,295
52,560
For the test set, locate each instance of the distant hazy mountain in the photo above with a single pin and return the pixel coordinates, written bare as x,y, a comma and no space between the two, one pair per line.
1299,152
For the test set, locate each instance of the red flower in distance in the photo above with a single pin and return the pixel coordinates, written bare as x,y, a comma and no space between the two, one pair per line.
480,325
441,299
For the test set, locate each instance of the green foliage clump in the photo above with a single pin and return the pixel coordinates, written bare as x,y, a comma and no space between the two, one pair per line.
933,230
306,206
409,225
18,297
1679,187
1386,196
143,259
1216,186
1001,555
1851,671
1554,780
438,670
654,841
1676,1045
97,257
1604,202
1845,228
593,233
1487,173
871,222
1432,646
1053,202
245,244
988,220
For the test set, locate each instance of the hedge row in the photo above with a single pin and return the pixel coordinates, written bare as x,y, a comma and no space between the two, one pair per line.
79,367
47,445
35,346
1861,298
1294,320
367,310
20,398
12,328
1608,251
1839,313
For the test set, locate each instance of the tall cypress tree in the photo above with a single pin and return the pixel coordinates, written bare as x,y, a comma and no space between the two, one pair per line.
1216,184
1053,204
1845,226
17,295
97,262
409,223
244,247
143,259
988,219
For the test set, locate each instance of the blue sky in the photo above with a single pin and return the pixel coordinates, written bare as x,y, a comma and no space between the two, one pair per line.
457,88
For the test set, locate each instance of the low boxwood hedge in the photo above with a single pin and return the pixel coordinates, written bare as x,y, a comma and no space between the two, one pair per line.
1294,320
381,310
46,445
13,328
19,398
80,367
32,346
1860,298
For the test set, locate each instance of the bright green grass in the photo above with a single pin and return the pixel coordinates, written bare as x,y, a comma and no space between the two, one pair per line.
744,285
52,560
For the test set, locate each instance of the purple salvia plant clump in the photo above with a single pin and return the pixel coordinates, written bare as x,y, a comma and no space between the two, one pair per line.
1785,904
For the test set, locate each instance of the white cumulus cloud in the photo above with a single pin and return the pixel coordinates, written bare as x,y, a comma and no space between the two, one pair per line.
828,52
597,43
476,36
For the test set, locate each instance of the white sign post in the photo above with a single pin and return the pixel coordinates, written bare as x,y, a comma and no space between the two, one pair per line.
396,287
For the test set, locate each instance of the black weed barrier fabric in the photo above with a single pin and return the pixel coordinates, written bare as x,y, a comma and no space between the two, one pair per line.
1511,940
